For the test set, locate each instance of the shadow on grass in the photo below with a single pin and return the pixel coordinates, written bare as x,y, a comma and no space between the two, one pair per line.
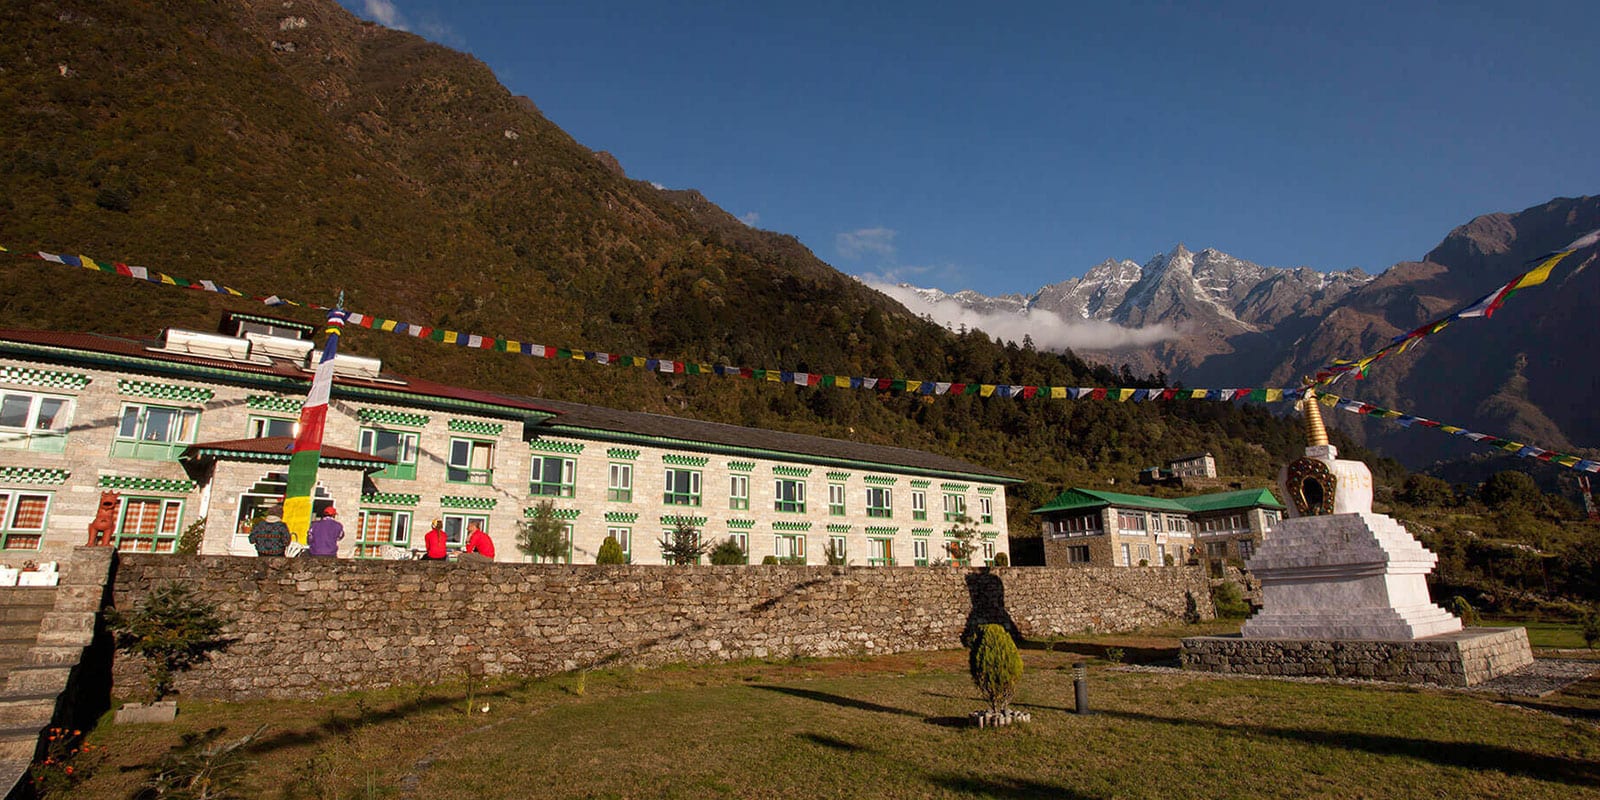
838,700
341,725
1467,755
1004,787
831,742
1131,655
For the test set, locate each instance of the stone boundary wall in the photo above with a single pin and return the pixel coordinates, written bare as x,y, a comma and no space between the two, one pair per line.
309,626
1464,658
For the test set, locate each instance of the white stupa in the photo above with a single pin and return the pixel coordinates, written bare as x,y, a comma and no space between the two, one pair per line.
1333,569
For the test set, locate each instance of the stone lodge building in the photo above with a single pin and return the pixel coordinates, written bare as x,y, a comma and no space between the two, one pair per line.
199,426
1090,527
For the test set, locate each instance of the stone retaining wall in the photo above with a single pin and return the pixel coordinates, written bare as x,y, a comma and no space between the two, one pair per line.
309,626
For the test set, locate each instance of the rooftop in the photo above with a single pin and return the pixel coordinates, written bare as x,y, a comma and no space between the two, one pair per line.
1083,499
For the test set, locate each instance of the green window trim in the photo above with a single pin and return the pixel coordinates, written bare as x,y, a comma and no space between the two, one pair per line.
564,514
134,483
44,378
741,466
386,416
554,446
838,476
390,499
35,476
170,392
675,460
564,482
741,524
470,503
800,527
267,402
624,517
622,454
476,427
792,472
880,480
920,483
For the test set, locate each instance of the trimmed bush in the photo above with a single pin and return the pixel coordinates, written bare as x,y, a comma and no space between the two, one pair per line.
1002,560
1228,599
728,552
610,552
995,665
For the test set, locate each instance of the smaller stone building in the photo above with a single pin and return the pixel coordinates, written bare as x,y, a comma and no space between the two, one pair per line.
1084,527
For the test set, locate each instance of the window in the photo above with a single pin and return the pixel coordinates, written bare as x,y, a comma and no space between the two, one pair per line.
148,525
988,554
836,549
624,537
1247,548
376,529
619,484
1074,526
669,534
789,495
1161,555
836,499
879,502
739,492
22,517
919,505
553,477
397,446
34,421
880,552
919,552
1270,517
154,432
986,510
952,551
683,488
789,547
1127,554
1177,524
1078,554
455,527
471,461
955,507
1157,522
262,427
743,540
1130,520
1144,555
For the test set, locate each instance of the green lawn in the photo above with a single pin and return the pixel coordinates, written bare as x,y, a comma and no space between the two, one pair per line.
891,727
1546,635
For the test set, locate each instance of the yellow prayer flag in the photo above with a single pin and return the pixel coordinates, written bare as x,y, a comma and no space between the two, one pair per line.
450,337
1123,395
1329,400
1541,273
986,390
1274,395
1058,392
88,263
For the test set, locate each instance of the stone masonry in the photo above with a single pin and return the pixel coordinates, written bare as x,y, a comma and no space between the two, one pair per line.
1464,658
310,626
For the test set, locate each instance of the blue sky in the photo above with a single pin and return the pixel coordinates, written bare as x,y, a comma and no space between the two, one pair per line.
1005,146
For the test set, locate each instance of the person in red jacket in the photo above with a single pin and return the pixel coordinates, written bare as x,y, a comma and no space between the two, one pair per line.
436,541
478,544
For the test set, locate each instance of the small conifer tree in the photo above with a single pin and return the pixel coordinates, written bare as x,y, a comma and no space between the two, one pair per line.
543,537
683,544
996,666
611,552
728,552
172,630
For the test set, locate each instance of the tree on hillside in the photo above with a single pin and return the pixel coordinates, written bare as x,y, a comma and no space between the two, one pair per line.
1509,489
1426,490
543,537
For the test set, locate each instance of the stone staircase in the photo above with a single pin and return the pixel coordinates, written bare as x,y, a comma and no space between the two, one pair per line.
45,635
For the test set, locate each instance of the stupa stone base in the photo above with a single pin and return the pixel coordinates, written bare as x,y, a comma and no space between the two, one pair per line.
1466,657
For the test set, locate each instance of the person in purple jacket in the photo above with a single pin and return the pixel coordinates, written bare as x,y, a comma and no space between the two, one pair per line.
322,539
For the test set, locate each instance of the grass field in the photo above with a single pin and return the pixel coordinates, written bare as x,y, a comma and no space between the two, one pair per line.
1544,635
891,726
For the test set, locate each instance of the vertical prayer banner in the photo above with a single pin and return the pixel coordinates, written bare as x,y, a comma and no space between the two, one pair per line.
302,481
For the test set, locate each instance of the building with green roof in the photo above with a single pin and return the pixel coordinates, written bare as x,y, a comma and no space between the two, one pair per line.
1092,527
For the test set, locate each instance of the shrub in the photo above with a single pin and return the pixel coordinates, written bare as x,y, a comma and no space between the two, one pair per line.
1115,654
172,630
769,561
834,555
1002,560
1191,608
202,767
1464,610
995,664
610,552
728,552
1229,602
1591,628
189,540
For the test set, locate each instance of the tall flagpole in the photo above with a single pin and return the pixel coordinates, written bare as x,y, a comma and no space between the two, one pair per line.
302,481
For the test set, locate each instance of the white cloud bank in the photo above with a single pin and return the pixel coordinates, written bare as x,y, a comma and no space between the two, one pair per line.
1048,330
385,13
751,219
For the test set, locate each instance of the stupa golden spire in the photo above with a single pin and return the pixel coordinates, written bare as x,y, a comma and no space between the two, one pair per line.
1316,434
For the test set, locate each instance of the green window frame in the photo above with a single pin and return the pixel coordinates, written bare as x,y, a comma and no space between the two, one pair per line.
739,492
880,551
986,510
23,518
919,504
790,548
553,476
789,495
455,528
955,506
919,552
471,461
619,483
835,499
397,446
880,502
841,547
262,427
157,433
377,528
148,524
34,421
682,487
